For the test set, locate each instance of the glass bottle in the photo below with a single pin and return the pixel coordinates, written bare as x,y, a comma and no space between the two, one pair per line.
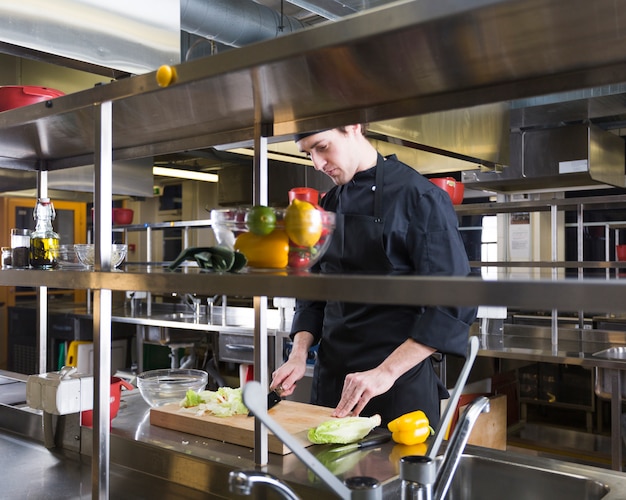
44,242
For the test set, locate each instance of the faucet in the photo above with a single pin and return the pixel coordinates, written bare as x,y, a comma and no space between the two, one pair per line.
193,303
417,475
357,488
241,483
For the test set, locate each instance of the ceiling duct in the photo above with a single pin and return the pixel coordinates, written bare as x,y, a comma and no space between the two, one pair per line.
234,22
568,156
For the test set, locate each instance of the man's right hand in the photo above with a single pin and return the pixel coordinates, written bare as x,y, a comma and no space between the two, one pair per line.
286,376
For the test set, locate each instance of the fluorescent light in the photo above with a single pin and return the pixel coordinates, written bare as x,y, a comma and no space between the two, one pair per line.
185,174
275,156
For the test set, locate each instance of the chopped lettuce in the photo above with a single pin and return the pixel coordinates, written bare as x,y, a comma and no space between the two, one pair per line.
192,398
224,402
343,430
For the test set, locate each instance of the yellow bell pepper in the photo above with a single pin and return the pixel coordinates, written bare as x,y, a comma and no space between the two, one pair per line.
264,251
411,428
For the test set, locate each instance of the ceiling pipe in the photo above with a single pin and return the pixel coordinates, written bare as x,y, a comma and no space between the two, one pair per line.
234,22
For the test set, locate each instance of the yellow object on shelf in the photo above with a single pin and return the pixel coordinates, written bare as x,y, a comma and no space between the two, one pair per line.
72,352
80,354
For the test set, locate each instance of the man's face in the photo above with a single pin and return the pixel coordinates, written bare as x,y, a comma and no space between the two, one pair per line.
333,152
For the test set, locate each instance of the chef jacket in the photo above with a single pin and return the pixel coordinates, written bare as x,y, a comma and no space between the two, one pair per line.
389,220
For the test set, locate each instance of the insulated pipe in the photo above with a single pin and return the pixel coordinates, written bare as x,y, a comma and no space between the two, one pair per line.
234,22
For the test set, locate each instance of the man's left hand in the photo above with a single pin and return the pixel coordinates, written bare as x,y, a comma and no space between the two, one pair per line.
359,388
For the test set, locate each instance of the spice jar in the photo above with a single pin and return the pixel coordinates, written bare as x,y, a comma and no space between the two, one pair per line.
44,242
20,244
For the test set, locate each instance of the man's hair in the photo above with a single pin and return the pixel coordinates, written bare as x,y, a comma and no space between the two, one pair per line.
343,130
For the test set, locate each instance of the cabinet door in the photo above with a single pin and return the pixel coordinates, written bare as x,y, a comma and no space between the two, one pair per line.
70,223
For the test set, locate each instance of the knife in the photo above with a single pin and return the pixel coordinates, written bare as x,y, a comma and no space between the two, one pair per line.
364,443
273,398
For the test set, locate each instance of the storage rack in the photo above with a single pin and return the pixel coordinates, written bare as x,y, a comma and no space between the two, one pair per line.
387,63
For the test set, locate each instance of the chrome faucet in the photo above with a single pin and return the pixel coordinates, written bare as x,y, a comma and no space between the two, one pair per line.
417,473
457,443
242,482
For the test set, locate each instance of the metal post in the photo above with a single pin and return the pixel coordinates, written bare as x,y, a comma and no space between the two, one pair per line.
103,196
554,246
42,293
260,197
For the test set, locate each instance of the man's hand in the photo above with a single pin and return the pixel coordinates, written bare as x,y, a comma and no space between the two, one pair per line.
359,388
285,377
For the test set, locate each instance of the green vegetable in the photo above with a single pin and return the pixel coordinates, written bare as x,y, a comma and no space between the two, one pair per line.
192,398
224,402
215,258
343,430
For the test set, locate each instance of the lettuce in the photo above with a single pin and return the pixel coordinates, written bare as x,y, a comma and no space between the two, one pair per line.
224,402
343,430
192,398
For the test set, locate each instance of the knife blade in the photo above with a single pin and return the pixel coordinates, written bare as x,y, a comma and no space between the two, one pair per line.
364,443
273,398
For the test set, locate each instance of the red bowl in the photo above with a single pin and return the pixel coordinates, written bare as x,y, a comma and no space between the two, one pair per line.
122,216
16,96
450,185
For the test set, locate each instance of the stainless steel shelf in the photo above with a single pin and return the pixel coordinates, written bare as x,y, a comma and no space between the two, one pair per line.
567,295
387,63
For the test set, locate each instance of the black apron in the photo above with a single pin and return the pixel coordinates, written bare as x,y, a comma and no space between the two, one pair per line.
353,339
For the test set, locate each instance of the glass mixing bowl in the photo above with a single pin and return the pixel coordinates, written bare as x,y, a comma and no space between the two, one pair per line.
159,387
86,254
230,223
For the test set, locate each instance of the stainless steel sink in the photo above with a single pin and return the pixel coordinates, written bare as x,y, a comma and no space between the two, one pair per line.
480,477
605,376
178,316
617,353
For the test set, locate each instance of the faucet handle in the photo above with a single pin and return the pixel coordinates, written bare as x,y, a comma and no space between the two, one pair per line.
418,474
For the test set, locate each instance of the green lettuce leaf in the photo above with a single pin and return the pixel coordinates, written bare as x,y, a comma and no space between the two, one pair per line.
224,402
343,430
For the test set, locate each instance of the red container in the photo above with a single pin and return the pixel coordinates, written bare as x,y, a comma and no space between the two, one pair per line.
620,251
450,185
304,194
16,96
119,216
86,417
122,216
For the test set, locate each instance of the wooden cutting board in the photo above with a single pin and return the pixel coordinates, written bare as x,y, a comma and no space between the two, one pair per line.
296,418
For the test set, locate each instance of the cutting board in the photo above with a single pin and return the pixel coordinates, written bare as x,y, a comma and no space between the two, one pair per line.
296,418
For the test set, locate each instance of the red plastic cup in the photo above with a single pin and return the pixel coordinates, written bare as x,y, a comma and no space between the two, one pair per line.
304,194
86,417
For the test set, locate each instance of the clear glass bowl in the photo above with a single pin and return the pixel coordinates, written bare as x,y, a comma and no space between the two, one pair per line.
159,387
229,223
68,258
86,254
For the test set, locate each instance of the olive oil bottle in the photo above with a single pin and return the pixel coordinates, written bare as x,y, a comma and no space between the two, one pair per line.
44,242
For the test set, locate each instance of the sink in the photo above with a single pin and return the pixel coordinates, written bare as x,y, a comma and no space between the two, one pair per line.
480,477
604,376
493,475
617,353
177,316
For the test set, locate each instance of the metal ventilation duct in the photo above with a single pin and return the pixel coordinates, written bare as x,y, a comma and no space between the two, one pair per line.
579,155
234,22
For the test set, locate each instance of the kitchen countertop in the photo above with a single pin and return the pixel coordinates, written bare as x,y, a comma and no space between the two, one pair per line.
574,346
148,461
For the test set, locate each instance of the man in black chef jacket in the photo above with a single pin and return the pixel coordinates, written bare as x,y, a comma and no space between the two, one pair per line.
389,220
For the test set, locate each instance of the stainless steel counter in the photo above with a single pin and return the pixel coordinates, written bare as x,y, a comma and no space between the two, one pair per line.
574,346
151,462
